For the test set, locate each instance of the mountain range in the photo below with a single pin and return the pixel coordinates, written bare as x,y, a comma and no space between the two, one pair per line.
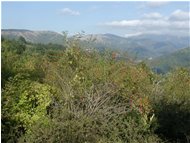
139,47
142,46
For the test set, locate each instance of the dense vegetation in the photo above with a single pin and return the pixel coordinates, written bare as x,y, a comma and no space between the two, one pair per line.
169,62
52,93
140,47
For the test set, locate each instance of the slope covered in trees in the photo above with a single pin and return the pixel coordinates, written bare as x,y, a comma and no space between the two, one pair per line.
163,64
52,93
43,37
139,47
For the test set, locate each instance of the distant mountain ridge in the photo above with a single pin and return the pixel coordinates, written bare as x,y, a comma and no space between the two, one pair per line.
18,30
141,47
43,37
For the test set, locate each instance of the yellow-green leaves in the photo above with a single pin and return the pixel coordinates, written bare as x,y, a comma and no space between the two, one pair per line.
26,101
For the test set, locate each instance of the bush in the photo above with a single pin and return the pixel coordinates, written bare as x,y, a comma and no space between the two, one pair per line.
84,96
93,105
173,107
23,103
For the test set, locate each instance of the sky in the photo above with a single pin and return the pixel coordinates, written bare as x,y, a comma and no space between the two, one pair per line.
125,18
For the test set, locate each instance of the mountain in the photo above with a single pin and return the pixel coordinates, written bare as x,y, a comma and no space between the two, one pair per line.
43,37
141,47
163,64
138,47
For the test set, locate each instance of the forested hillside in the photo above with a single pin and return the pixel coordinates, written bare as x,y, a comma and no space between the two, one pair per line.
44,37
66,94
138,47
163,64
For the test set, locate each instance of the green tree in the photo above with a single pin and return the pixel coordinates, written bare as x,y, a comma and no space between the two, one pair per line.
24,102
22,40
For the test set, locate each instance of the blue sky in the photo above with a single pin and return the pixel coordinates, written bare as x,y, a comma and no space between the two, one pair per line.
121,18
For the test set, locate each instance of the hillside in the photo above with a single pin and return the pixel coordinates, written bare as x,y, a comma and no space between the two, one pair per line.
171,61
138,47
43,37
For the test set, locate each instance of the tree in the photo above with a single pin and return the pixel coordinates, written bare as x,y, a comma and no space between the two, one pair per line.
22,40
24,102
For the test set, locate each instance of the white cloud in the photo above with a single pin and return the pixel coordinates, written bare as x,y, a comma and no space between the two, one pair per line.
123,23
155,23
134,23
133,34
68,11
180,15
181,25
156,3
176,23
153,15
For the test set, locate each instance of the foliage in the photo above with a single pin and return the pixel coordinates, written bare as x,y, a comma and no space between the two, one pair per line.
171,61
100,115
55,93
173,107
23,103
11,52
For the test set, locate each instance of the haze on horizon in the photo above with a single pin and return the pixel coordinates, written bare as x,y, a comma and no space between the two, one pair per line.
120,18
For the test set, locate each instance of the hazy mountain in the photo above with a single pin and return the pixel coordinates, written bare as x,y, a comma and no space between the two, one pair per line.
43,37
163,64
140,47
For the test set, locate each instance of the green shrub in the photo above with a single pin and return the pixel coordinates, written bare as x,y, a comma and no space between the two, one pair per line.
173,107
23,103
100,114
87,97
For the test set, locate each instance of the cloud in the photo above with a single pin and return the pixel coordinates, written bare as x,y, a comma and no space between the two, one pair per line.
123,23
133,34
134,23
176,23
181,25
68,11
180,15
153,15
155,4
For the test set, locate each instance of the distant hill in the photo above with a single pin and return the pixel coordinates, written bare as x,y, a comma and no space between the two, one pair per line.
43,37
163,64
139,47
